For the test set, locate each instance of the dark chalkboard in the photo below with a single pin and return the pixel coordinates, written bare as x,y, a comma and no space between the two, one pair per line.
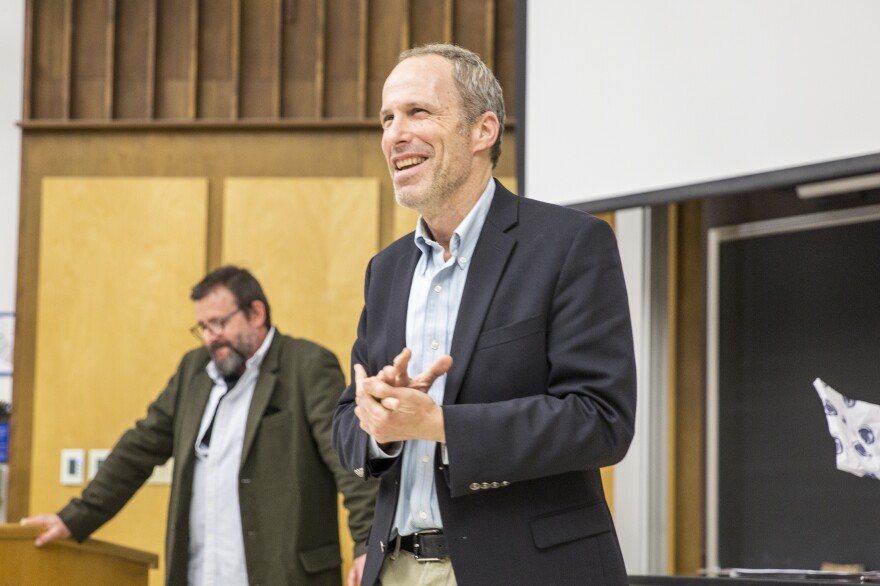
794,306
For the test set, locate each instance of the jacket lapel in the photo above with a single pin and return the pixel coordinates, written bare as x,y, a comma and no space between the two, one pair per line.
398,302
194,403
487,266
262,393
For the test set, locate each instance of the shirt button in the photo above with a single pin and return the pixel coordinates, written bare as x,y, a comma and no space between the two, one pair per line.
425,459
462,260
438,288
423,515
434,345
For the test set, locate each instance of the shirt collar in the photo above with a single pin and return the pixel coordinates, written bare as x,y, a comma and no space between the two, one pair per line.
253,362
468,231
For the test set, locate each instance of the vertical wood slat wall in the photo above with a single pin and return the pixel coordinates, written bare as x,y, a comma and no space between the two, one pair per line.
109,61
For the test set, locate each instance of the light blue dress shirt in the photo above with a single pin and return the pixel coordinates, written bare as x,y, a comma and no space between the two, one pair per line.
434,299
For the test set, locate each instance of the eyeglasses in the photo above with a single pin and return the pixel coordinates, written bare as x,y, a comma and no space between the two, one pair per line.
215,326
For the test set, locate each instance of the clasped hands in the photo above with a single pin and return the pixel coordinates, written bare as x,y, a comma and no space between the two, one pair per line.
394,407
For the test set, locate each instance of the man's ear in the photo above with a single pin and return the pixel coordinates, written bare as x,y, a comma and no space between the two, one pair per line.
257,313
485,131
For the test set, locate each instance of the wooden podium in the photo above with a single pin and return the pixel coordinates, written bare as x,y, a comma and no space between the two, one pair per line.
68,562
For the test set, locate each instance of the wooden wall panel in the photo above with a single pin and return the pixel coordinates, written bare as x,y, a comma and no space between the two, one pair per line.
343,59
431,22
505,67
90,52
50,62
689,408
474,26
118,257
261,25
301,59
134,66
389,33
237,61
218,55
176,59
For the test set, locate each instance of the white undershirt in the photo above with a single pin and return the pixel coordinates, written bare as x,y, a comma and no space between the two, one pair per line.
216,543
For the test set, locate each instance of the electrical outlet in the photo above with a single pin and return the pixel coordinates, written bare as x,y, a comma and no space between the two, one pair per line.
72,466
162,474
96,458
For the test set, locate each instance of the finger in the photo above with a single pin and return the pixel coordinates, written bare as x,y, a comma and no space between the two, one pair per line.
435,371
359,373
401,361
37,520
389,375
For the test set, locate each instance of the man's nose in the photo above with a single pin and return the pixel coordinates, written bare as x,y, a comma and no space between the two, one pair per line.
398,130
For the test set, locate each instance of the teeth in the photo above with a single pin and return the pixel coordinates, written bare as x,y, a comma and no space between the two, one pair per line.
404,163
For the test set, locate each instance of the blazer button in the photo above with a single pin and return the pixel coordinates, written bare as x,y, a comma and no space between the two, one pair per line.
245,480
475,486
485,485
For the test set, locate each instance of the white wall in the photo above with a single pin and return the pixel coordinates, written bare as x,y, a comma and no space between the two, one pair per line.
633,96
12,49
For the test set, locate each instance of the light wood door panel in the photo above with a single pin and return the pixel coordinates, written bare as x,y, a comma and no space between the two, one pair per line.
117,260
308,241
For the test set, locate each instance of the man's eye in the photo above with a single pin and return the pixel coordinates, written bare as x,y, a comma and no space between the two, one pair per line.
386,120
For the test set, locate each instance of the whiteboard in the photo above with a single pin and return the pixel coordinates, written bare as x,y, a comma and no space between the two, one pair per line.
627,97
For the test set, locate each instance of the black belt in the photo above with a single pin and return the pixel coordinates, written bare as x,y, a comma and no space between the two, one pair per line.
427,546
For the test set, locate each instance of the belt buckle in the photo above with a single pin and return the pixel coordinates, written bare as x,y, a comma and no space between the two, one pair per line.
417,545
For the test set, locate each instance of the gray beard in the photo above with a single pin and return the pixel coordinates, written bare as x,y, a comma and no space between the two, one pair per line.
230,365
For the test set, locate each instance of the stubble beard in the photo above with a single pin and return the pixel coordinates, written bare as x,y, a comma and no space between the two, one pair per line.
432,199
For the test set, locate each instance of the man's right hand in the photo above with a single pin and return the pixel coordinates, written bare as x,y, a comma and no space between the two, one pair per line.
55,528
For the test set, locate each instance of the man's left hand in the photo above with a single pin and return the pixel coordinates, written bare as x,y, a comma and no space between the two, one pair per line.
356,573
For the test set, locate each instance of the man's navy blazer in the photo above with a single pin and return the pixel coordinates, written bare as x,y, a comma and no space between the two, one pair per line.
540,396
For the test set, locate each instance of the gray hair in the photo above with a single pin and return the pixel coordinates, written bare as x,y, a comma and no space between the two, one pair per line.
478,87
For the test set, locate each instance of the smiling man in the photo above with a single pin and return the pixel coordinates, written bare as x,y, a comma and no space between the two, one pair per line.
247,419
493,372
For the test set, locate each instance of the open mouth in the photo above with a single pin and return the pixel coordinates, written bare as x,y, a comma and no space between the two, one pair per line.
409,162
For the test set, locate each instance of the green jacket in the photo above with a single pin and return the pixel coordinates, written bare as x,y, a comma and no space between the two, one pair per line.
289,475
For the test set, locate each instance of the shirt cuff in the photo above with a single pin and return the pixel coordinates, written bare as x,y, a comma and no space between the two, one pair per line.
377,453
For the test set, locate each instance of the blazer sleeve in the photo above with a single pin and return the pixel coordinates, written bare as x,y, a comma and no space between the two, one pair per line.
581,414
325,381
128,466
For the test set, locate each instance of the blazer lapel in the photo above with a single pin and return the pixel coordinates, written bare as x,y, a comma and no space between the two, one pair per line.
262,393
398,301
194,408
487,266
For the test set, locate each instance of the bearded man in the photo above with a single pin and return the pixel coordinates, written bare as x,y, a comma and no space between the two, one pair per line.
247,419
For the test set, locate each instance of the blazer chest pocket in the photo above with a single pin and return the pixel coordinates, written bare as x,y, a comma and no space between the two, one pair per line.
511,332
